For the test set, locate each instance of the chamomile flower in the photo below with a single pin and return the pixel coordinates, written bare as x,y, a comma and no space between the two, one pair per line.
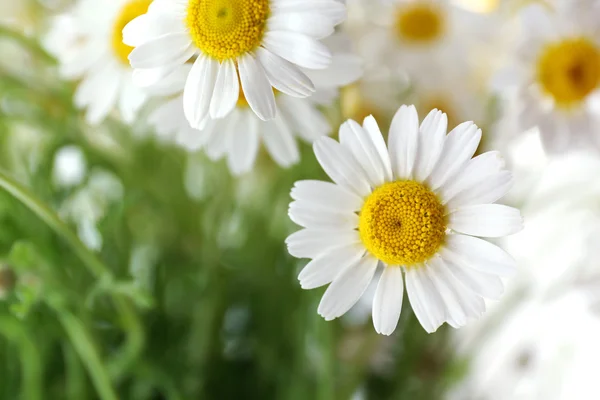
239,135
403,34
242,46
553,79
418,207
88,43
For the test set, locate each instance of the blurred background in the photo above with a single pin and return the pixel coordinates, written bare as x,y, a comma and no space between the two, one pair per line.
133,266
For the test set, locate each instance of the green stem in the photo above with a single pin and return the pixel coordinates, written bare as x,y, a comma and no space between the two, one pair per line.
30,357
27,42
89,355
20,193
129,318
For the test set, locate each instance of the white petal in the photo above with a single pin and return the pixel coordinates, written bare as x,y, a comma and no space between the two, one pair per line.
319,26
334,10
476,172
226,92
487,220
327,195
480,283
220,132
403,141
298,49
347,288
340,165
256,87
431,143
477,254
486,191
376,138
243,146
387,304
130,101
285,76
315,217
148,27
198,90
356,139
459,147
280,142
310,243
461,304
345,68
305,119
424,298
161,51
325,268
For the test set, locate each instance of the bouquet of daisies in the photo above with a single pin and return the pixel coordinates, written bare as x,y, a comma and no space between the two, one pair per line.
290,199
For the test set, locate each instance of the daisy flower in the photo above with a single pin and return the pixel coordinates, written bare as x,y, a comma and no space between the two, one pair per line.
88,43
402,34
553,78
238,136
418,207
249,46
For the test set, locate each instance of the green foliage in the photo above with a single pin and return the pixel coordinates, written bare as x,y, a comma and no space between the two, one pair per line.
192,295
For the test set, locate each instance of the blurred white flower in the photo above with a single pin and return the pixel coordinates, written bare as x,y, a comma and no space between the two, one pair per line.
238,136
69,166
553,77
88,205
412,206
542,350
249,46
88,43
403,34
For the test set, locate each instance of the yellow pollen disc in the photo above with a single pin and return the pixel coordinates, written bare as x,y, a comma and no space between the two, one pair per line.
402,223
227,29
130,11
569,70
420,22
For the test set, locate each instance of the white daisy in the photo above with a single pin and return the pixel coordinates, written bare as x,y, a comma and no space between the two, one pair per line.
553,79
255,44
402,34
459,91
416,207
239,135
88,43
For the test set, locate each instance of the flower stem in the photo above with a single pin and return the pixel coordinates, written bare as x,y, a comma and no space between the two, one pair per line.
129,318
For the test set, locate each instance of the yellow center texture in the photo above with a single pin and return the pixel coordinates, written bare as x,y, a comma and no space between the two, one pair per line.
402,223
420,22
227,29
130,11
569,70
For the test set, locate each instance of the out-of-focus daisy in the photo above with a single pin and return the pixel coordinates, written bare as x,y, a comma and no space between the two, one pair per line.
88,42
238,136
456,91
542,349
415,206
554,76
249,46
402,34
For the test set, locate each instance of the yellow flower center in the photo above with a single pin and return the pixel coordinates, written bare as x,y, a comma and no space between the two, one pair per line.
569,70
227,29
420,23
130,11
402,223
